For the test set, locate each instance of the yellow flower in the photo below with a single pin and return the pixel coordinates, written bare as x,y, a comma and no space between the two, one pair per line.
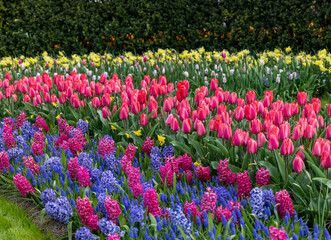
127,135
137,133
113,128
57,117
86,121
161,139
197,164
32,116
288,49
54,104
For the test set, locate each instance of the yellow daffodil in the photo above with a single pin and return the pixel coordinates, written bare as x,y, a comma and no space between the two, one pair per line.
197,163
288,49
86,121
161,139
113,128
57,117
137,133
54,104
127,135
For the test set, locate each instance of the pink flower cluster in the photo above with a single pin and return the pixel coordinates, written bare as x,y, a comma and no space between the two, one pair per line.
277,234
106,146
114,237
126,161
20,120
31,164
244,185
86,213
134,182
147,146
59,142
208,201
284,202
73,167
185,162
23,185
38,144
262,177
130,151
193,208
77,142
8,137
113,209
4,161
152,203
83,177
224,173
41,123
64,127
227,211
167,174
203,173
8,121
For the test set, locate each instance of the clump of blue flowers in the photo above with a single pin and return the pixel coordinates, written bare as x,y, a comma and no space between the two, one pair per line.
155,158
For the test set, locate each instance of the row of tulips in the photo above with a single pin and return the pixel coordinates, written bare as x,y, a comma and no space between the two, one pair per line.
108,191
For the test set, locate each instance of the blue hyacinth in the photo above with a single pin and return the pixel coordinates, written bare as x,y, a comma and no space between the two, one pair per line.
168,151
84,160
111,161
108,227
155,158
83,126
136,214
15,152
84,234
178,219
48,195
108,181
52,163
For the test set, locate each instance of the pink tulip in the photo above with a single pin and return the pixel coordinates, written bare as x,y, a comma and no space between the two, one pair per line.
300,153
124,112
105,112
227,131
287,147
329,110
273,142
326,159
261,139
250,112
316,104
317,147
298,164
278,119
233,98
302,98
187,125
310,131
251,146
250,97
201,130
213,84
255,126
268,98
143,120
237,138
26,98
240,102
296,133
174,124
328,132
238,113
284,131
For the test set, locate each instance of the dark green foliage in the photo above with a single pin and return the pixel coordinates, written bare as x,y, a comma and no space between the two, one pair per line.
30,27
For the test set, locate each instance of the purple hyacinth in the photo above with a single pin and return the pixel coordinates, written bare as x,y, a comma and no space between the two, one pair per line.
84,234
48,195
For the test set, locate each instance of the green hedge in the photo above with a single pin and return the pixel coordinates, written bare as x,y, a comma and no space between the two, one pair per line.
30,27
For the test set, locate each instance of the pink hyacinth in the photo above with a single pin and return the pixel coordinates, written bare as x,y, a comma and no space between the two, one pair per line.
20,120
152,203
77,142
231,205
189,176
244,185
41,122
114,237
284,202
166,174
60,141
113,209
223,170
64,127
185,162
8,121
208,201
203,173
262,177
8,138
173,163
38,144
134,182
277,234
83,177
130,151
31,164
92,222
125,164
220,211
147,146
4,161
84,210
73,167
193,208
23,185
106,146
231,178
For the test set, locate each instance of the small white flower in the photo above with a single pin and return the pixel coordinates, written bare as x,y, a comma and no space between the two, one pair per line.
216,67
199,73
186,74
206,71
290,76
98,77
231,71
224,80
154,72
67,75
216,75
261,62
22,66
275,67
278,78
74,69
268,70
55,73
144,69
197,66
38,74
213,73
281,70
78,65
206,83
221,69
163,71
106,74
94,78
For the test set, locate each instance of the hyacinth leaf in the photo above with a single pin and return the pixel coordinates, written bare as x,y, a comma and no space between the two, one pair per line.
69,230
74,113
222,148
272,169
103,120
227,228
151,132
214,164
281,165
93,112
174,184
219,229
182,232
210,222
42,216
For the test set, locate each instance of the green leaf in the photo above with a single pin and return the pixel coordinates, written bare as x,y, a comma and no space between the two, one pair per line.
210,222
182,232
214,164
181,147
70,230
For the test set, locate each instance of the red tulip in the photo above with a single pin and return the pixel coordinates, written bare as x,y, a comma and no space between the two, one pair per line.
35,102
105,100
62,98
326,159
47,98
317,147
95,102
233,98
268,98
273,142
201,130
308,111
26,98
202,113
75,101
142,97
1,95
5,83
170,87
135,107
106,112
287,110
226,95
316,104
174,124
329,109
287,147
296,133
227,131
261,139
251,146
213,103
294,109
284,131
240,102
114,108
278,119
250,97
328,132
326,145
310,131
213,84
302,98
167,105
54,98
250,112
143,120
69,92
298,164
238,113
255,126
124,112
187,125
219,95
237,138
24,88
9,92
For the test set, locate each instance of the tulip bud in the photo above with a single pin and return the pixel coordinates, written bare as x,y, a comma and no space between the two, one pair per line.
302,98
187,126
273,142
298,164
174,124
287,147
251,146
261,139
326,159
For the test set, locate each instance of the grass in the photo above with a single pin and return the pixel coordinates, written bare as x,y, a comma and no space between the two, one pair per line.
15,223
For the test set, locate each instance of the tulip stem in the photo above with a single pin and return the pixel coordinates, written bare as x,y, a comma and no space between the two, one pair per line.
276,163
286,159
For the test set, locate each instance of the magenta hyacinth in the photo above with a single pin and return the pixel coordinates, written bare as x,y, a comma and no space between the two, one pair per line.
134,182
92,222
284,202
41,122
152,203
8,137
166,174
203,173
23,185
208,201
85,212
231,178
244,185
20,120
147,146
113,209
130,151
38,144
83,177
193,208
4,161
106,146
223,170
114,237
220,211
31,164
277,234
185,162
262,177
73,167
